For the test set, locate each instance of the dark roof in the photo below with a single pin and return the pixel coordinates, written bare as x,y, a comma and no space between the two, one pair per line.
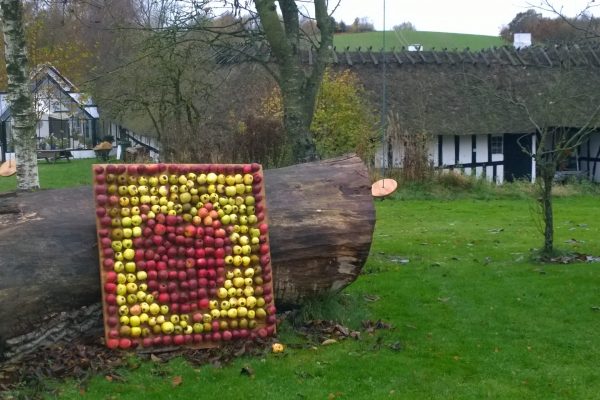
493,91
458,92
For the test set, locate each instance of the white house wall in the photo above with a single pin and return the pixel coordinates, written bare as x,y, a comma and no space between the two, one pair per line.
467,153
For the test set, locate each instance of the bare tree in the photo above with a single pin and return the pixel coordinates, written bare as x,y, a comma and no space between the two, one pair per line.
19,94
564,116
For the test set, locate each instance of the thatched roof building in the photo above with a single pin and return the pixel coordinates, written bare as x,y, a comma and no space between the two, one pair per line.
462,92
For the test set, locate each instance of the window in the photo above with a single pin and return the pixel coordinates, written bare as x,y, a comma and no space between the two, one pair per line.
496,144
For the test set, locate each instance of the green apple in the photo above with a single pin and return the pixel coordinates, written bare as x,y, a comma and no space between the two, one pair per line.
132,287
130,265
154,309
238,281
129,254
198,327
119,266
261,313
250,301
232,313
248,292
167,327
136,231
121,289
116,245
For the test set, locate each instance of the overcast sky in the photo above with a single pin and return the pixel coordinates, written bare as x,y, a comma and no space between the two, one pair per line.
480,17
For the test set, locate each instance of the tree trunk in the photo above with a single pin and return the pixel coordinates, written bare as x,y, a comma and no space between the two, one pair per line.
321,220
19,94
299,87
547,212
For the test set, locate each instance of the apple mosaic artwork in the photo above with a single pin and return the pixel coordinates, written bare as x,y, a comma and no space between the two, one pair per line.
184,254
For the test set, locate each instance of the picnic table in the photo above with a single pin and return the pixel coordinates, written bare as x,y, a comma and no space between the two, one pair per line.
53,155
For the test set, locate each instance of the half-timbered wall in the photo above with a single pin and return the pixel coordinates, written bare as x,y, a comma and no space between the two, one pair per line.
470,154
589,157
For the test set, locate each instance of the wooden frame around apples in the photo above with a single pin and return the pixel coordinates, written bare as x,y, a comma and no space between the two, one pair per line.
184,254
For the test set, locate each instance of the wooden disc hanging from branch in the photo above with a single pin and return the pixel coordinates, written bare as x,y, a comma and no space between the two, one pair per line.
384,187
8,168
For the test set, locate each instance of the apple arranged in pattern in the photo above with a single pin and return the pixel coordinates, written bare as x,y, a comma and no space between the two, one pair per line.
184,254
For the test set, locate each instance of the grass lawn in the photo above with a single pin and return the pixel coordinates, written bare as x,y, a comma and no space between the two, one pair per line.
429,40
472,315
59,175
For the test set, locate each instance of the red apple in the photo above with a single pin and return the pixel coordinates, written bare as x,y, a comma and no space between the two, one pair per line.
108,263
160,229
110,299
111,276
264,249
163,298
178,340
167,340
124,343
112,321
203,304
112,343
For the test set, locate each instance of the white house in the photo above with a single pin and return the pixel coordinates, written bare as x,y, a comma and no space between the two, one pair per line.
67,118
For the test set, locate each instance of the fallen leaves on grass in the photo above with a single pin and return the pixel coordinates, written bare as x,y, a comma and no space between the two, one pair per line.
176,381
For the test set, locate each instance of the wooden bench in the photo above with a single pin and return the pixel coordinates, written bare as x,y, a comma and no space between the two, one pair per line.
53,155
102,154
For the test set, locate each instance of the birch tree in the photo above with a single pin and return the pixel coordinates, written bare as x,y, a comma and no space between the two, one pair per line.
19,94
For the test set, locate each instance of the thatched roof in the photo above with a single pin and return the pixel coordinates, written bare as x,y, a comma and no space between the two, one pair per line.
464,92
461,92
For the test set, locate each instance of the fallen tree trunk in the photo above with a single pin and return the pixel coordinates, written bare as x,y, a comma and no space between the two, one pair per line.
321,218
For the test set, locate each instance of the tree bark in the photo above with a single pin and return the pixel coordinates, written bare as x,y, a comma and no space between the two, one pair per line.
19,94
321,219
547,175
